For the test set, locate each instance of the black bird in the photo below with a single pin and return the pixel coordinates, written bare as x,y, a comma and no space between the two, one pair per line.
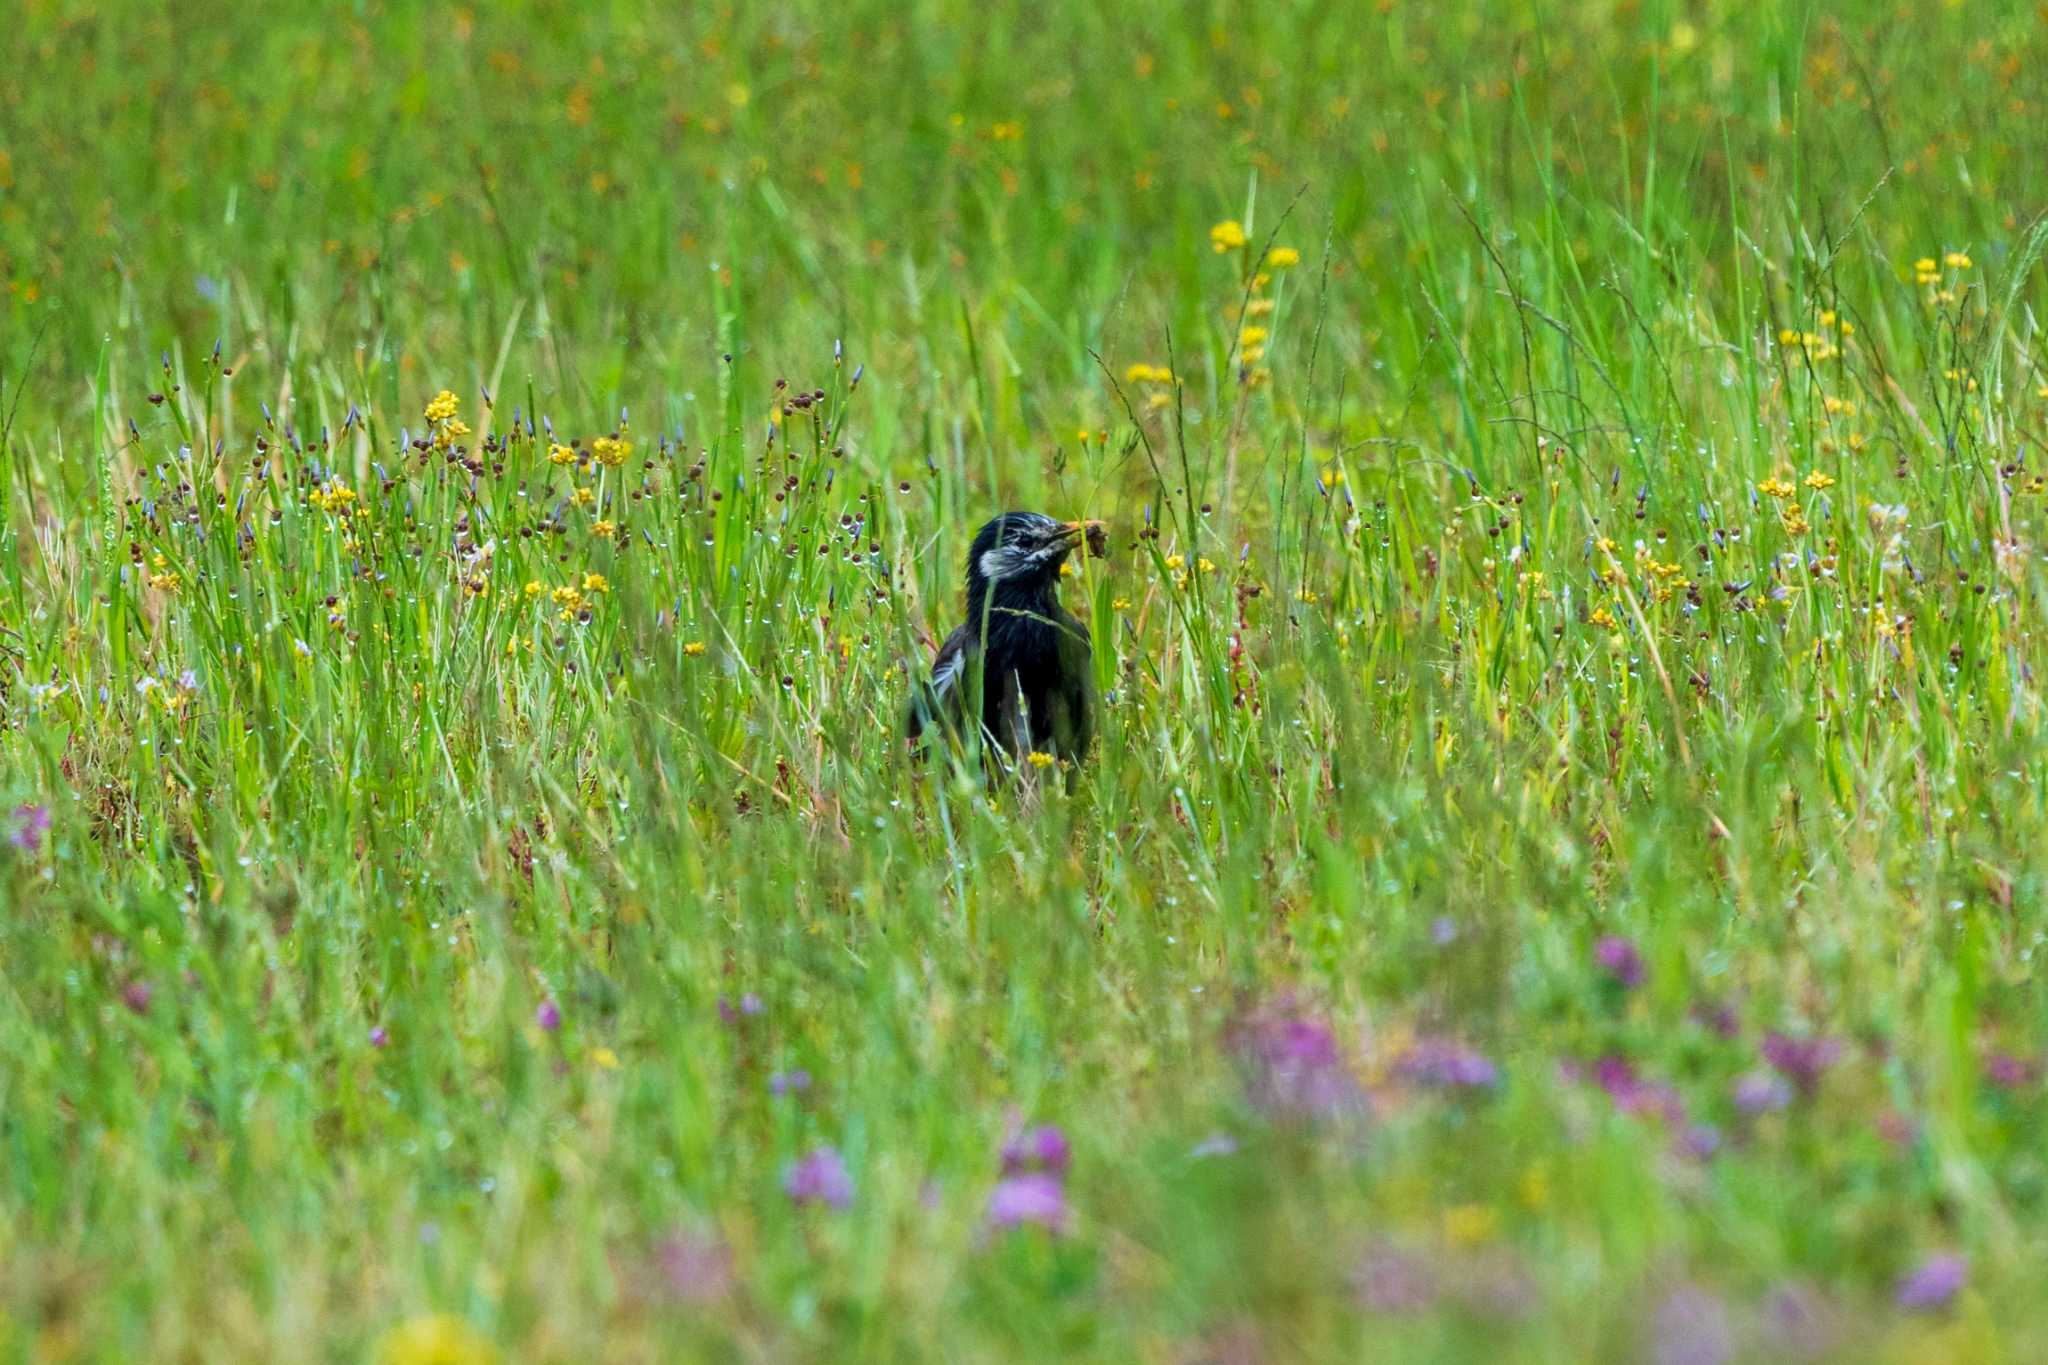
1019,650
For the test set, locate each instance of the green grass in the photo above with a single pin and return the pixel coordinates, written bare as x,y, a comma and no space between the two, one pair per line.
1614,537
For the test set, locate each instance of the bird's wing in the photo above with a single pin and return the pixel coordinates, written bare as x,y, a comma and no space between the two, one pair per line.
941,697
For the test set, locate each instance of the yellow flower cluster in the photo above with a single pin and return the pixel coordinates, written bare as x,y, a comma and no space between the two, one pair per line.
611,451
336,497
1227,235
442,406
1143,373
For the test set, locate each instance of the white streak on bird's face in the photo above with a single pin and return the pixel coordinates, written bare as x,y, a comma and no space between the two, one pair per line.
1029,549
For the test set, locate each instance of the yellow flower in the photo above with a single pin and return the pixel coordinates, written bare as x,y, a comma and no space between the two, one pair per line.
1817,480
1204,566
596,582
1926,265
1306,595
1603,618
603,529
582,497
1776,487
442,406
604,1058
1469,1224
533,587
694,648
1251,337
1227,235
1120,604
1956,260
561,454
1040,760
1838,405
611,452
1280,257
437,1339
567,598
1174,562
1788,337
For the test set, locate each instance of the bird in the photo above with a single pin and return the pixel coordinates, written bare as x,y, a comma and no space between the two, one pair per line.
1026,657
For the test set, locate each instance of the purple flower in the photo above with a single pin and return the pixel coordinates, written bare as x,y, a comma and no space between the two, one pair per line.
1801,1061
2008,1072
788,1082
1691,1328
136,996
1445,1064
548,1016
1443,931
31,823
378,1037
693,1268
1760,1092
1716,1017
1700,1141
1933,1283
1633,1095
1388,1279
1797,1323
1620,960
750,1004
819,1178
1035,1197
1293,1067
1043,1147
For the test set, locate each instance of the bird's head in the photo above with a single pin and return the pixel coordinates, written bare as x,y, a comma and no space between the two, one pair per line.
1020,553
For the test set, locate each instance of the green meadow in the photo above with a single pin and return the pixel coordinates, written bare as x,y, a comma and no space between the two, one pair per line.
1560,875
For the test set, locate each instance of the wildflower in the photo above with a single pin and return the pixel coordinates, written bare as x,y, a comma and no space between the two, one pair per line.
1818,481
1776,487
693,1268
548,1016
438,1339
1443,1064
1620,959
1760,1092
1043,1148
793,1082
31,823
604,1059
1603,618
1956,260
1281,257
819,1178
611,452
1226,236
1204,565
604,529
1175,563
1040,759
1293,1068
582,497
1251,337
1143,373
1926,265
562,455
1691,1327
1034,1197
2009,1072
1470,1224
533,587
596,582
379,1038
136,996
1390,1280
442,406
693,648
1120,604
1801,1061
1932,1284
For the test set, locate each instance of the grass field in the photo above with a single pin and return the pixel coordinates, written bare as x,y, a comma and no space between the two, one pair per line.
1562,871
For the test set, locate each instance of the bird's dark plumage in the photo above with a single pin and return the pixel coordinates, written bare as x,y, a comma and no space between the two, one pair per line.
1019,653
